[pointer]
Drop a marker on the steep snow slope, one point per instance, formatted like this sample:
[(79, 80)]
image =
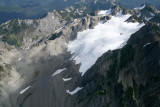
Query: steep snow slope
[(92, 43)]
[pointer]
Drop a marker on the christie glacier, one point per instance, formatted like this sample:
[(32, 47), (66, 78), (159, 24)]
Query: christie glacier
[(90, 44)]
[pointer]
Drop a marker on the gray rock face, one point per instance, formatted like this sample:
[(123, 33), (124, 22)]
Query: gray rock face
[(50, 89), (31, 30), (36, 64), (124, 77), (118, 78)]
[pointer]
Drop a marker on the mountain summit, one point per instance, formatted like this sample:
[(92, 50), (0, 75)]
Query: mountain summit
[(28, 9)]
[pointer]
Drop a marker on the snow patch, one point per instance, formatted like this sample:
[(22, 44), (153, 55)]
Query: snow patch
[(140, 8), (152, 14), (66, 79), (75, 20), (90, 44), (58, 30), (119, 14), (148, 18), (53, 17), (58, 71), (19, 59), (146, 45), (139, 15), (74, 91), (24, 90), (105, 12)]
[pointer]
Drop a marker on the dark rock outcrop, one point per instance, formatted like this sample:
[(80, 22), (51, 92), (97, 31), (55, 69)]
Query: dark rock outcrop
[(126, 77)]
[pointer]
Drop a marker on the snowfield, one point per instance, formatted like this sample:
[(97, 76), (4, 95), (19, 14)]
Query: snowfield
[(148, 18), (24, 90), (74, 91), (66, 79), (90, 44), (146, 45), (105, 12), (140, 8), (58, 71)]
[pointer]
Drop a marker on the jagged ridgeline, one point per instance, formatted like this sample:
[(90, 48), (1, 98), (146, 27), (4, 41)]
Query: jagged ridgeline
[(29, 9), (15, 30), (92, 54)]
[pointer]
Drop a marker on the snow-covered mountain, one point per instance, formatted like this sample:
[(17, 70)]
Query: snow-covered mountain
[(82, 56), (90, 44)]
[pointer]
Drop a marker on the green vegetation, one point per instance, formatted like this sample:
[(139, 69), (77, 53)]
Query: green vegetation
[(8, 66), (112, 70), (156, 28), (68, 16), (120, 85), (135, 87), (101, 83), (13, 32), (102, 92), (127, 56), (155, 78), (1, 69), (34, 38), (12, 35), (0, 93), (13, 40), (129, 93), (126, 72), (36, 74), (137, 19)]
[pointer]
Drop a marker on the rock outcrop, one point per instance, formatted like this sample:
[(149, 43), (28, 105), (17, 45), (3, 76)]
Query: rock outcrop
[(123, 77)]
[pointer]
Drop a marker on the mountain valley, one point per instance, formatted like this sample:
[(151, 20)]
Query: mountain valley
[(91, 54)]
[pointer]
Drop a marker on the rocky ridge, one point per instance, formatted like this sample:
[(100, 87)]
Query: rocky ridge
[(116, 79)]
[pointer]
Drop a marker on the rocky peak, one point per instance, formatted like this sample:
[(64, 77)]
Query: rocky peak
[(27, 32), (144, 13), (48, 75), (148, 12)]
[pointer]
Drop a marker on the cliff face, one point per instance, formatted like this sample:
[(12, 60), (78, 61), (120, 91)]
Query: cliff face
[(53, 55), (128, 76), (26, 32), (35, 65), (43, 73)]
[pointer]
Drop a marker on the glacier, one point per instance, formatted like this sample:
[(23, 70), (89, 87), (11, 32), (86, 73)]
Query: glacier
[(90, 44)]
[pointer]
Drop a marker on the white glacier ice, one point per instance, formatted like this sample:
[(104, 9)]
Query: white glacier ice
[(90, 44), (105, 12)]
